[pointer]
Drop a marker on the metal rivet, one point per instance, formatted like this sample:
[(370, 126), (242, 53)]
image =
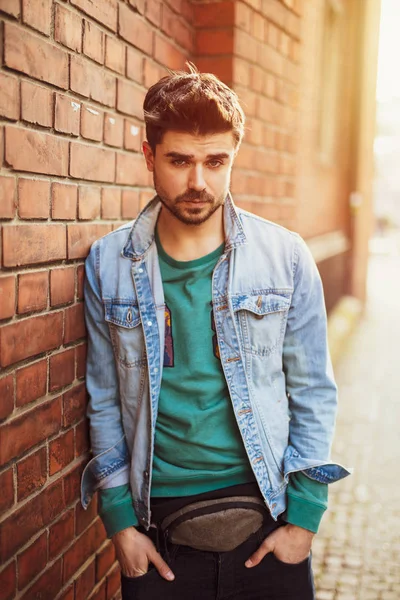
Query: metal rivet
[(129, 316), (140, 270), (149, 323)]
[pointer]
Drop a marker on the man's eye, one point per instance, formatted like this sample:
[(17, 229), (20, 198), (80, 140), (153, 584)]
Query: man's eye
[(214, 164), (179, 162)]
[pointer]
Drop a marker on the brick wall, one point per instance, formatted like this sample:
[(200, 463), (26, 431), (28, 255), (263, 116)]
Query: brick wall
[(72, 82)]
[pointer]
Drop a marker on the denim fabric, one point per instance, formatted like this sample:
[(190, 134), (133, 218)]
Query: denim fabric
[(270, 323), (222, 575)]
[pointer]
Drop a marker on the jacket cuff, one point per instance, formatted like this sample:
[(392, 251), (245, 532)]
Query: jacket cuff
[(116, 509)]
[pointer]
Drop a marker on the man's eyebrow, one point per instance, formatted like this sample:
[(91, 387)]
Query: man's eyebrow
[(179, 156)]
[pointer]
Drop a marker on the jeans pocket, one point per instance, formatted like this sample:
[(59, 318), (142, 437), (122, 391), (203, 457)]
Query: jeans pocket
[(298, 565)]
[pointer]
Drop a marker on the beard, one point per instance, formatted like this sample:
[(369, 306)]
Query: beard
[(190, 214)]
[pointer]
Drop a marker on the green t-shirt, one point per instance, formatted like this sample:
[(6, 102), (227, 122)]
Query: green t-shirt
[(198, 446)]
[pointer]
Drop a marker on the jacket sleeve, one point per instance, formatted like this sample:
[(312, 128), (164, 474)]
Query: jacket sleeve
[(109, 465), (310, 383)]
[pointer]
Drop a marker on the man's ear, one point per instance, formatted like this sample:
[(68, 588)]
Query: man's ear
[(148, 155)]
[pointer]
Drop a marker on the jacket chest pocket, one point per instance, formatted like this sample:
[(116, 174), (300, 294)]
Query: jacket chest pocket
[(126, 331), (262, 320)]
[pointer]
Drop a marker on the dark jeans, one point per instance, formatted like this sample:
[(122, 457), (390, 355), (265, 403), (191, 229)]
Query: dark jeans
[(203, 575)]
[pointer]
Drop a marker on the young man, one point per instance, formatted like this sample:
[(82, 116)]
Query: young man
[(212, 398)]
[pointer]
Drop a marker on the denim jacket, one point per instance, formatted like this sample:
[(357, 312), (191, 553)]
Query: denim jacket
[(270, 322)]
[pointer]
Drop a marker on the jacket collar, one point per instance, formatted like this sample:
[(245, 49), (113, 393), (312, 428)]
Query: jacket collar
[(141, 236)]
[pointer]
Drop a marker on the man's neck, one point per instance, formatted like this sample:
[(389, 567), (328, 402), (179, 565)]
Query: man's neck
[(188, 242)]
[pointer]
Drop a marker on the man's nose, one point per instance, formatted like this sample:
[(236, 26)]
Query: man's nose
[(196, 180)]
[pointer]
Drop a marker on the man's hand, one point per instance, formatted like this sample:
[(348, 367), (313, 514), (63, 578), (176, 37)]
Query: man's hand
[(290, 544), (135, 551)]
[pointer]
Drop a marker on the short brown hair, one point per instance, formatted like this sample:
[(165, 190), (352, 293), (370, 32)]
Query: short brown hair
[(193, 102)]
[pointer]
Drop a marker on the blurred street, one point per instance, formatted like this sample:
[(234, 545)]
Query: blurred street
[(357, 551)]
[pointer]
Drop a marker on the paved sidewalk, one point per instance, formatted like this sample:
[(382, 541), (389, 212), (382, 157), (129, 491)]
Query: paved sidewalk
[(357, 551)]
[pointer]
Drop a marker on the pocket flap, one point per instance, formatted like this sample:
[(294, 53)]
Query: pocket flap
[(122, 313), (262, 304)]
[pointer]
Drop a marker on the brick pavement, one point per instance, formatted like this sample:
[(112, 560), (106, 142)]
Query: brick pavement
[(357, 551)]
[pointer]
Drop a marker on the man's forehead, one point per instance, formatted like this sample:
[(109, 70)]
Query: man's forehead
[(190, 144)]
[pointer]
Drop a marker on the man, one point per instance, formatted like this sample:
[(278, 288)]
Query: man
[(212, 398)]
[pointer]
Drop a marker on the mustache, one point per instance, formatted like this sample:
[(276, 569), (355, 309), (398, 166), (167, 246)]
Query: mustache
[(193, 195)]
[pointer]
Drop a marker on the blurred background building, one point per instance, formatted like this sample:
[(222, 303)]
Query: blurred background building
[(72, 82)]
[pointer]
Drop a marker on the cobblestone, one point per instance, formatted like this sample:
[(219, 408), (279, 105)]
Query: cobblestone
[(356, 554)]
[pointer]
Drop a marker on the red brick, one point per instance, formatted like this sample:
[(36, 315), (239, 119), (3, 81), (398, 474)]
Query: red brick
[(83, 548), (36, 104), (31, 382), (134, 29), (115, 54), (92, 81), (61, 451), (113, 130), (110, 203), (68, 28), (134, 65), (33, 198), (81, 236), (35, 57), (103, 12), (151, 72), (7, 296), (92, 163), (221, 66), (83, 518), (101, 592), (62, 369), (168, 55), (104, 560), (153, 12), (138, 5), (32, 427), (132, 136), (61, 533), (62, 286), (7, 197), (74, 323), (72, 484), (130, 204), (64, 201), (31, 473), (85, 582), (33, 289), (74, 405), (9, 97), (11, 7), (113, 582), (215, 42), (37, 14), (89, 202), (177, 29), (67, 115), (7, 493), (32, 560), (48, 585), (29, 337), (131, 169), (130, 99), (80, 277), (28, 150), (69, 593), (8, 576), (91, 123), (29, 244), (6, 396), (145, 197), (82, 438), (29, 519), (216, 13), (93, 41)]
